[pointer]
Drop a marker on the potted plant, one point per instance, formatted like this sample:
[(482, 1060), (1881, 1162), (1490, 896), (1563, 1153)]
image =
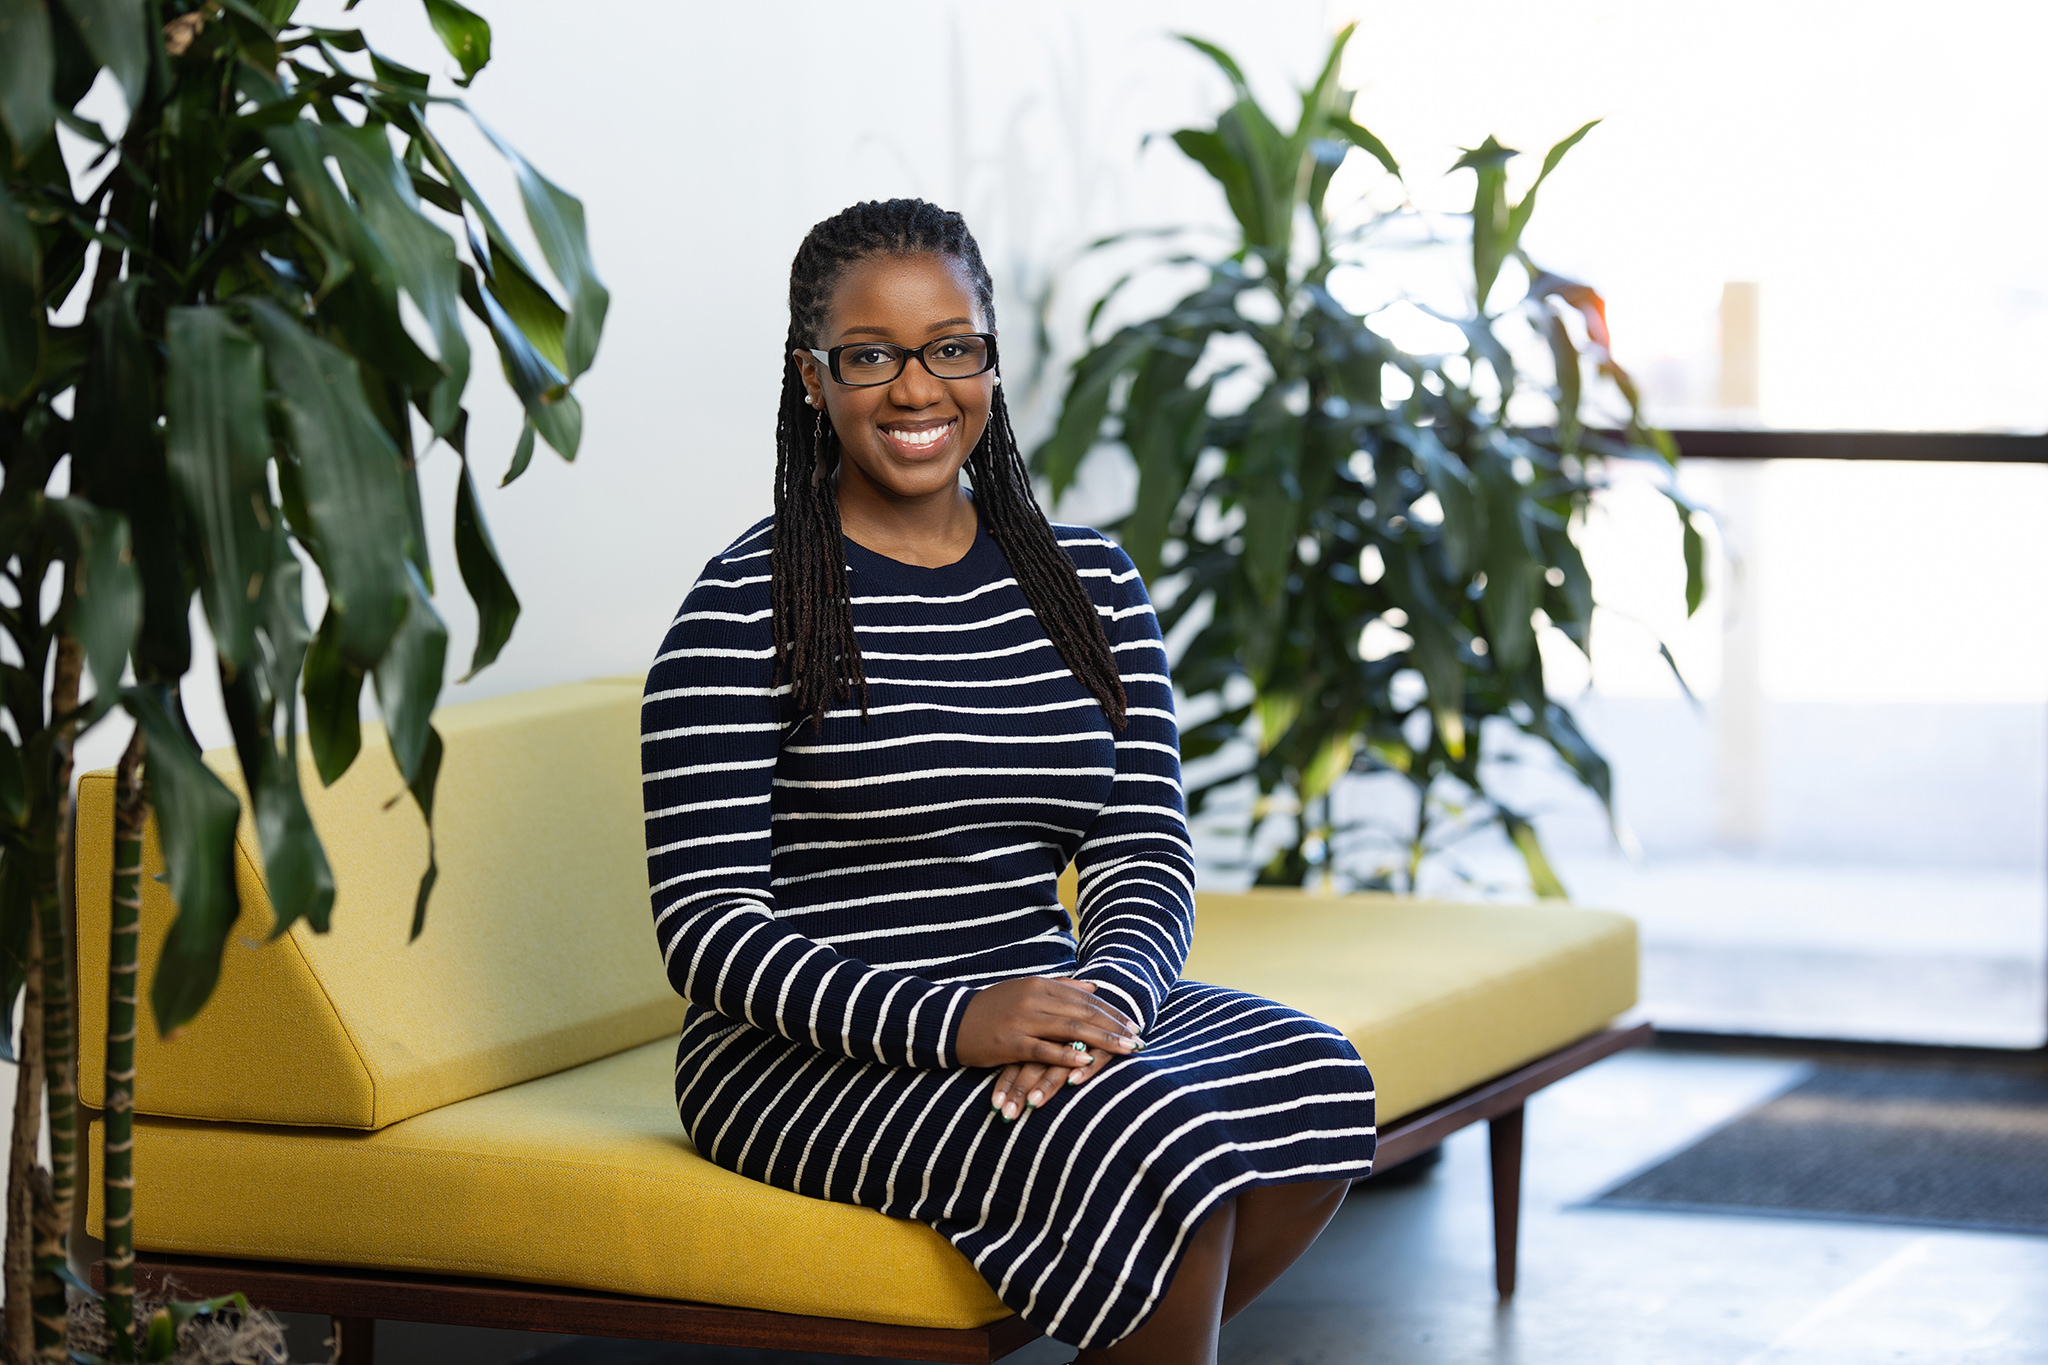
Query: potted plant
[(1374, 566), (239, 389)]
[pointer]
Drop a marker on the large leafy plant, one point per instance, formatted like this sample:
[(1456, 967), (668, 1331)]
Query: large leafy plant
[(1362, 572), (205, 344)]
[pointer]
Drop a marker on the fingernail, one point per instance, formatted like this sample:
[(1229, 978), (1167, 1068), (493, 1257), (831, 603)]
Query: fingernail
[(1036, 1098), (1137, 1044), (1073, 1078), (1010, 1111)]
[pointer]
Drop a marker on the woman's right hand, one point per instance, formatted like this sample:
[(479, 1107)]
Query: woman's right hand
[(1037, 1019)]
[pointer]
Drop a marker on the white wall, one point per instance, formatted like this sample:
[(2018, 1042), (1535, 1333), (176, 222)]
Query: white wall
[(704, 140)]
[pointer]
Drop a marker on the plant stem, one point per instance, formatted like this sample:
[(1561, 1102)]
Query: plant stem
[(21, 1164), (60, 1062), (1418, 847), (124, 931)]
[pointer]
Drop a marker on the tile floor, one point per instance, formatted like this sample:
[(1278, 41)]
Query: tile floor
[(1404, 1275)]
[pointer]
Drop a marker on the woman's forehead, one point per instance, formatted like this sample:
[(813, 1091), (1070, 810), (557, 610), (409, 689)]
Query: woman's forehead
[(891, 294)]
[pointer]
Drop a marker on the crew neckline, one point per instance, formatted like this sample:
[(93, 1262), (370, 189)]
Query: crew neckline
[(861, 559)]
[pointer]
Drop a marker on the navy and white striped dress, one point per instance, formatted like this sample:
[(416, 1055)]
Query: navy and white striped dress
[(829, 900)]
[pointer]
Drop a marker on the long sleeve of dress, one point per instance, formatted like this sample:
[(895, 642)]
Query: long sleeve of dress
[(1136, 865), (712, 724)]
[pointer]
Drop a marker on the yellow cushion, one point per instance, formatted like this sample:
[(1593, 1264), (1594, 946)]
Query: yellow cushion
[(537, 953), (583, 1178), (1436, 997)]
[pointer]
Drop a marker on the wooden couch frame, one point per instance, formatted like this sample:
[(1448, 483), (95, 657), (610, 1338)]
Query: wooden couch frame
[(355, 1299)]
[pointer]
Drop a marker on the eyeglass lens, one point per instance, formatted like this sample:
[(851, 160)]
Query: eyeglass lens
[(878, 362)]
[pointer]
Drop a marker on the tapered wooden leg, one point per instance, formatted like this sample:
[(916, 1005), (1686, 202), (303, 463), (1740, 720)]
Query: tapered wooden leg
[(1504, 1138), (355, 1341)]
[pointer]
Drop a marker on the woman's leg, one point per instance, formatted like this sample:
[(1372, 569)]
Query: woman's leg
[(1275, 1224), (1182, 1329)]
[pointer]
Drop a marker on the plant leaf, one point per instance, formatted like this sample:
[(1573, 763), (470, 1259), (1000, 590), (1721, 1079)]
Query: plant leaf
[(295, 868), (196, 817), (106, 593), (117, 34), (1518, 217), (556, 217), (21, 309), (409, 677), (117, 462), (422, 254), (28, 72), (352, 477), (497, 606), (464, 33), (1541, 878), (522, 454), (217, 445), (334, 689)]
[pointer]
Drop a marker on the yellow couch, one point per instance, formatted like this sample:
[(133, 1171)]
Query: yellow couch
[(495, 1099)]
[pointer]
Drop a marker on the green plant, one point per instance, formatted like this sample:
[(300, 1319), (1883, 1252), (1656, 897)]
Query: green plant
[(1326, 504), (201, 334)]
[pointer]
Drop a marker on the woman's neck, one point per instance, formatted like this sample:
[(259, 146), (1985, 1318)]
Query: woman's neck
[(932, 531)]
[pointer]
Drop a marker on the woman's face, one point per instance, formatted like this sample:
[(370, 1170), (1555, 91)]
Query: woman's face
[(907, 438)]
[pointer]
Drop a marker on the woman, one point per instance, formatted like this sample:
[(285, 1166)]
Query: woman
[(882, 724)]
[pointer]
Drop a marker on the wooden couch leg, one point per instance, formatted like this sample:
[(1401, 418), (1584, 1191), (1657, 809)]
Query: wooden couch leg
[(355, 1341), (1504, 1138)]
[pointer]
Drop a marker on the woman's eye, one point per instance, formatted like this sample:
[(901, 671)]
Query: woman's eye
[(871, 355), (951, 350)]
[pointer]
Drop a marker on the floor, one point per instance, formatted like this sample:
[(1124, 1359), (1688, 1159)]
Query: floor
[(1404, 1275)]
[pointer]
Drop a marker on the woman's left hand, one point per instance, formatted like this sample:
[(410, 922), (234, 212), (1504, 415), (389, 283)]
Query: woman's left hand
[(1024, 1086)]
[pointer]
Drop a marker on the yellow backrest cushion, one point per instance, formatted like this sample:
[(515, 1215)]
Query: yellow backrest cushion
[(537, 953)]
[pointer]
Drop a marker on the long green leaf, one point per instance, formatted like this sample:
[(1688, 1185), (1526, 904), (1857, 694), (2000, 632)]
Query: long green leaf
[(28, 72), (497, 606), (196, 817), (117, 462), (550, 408), (556, 217), (217, 444), (464, 33), (1541, 877), (21, 310), (422, 254), (261, 708), (334, 689), (409, 678), (1518, 217), (352, 477), (117, 33), (1492, 235), (106, 593), (408, 683)]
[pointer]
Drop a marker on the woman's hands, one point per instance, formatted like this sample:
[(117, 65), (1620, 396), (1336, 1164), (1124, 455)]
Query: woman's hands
[(1027, 1027)]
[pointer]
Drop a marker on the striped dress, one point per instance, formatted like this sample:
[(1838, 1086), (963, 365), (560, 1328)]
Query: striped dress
[(828, 901)]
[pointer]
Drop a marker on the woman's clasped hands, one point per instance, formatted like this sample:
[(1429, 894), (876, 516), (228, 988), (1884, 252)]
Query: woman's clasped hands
[(1029, 1027)]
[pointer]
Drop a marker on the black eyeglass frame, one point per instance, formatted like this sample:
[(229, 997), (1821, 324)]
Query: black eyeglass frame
[(830, 359)]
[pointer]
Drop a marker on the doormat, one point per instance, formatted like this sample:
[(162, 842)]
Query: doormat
[(1938, 1148)]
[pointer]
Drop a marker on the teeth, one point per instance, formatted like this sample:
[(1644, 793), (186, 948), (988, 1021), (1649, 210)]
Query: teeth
[(930, 437)]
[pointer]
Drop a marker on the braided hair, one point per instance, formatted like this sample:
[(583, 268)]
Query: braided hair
[(815, 648)]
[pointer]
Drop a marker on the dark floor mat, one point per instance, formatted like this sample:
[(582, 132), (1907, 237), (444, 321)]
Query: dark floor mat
[(1943, 1148)]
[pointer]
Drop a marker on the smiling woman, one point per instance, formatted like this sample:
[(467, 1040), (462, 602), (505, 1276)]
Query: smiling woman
[(854, 872)]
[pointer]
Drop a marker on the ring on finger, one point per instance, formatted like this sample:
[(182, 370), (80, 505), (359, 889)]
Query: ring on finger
[(1078, 1046)]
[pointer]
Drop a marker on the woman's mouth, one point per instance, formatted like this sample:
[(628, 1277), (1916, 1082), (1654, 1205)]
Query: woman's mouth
[(918, 442)]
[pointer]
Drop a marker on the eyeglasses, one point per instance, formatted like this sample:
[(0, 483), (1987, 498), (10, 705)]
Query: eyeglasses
[(864, 364)]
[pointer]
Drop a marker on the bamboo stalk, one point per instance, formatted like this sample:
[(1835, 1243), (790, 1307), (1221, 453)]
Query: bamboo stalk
[(21, 1165), (60, 1060), (124, 932)]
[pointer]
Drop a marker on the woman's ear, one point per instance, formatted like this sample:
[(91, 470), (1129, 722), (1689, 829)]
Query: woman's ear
[(814, 385)]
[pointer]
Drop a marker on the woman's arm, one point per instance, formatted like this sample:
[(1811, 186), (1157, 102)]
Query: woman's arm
[(1137, 873), (710, 729)]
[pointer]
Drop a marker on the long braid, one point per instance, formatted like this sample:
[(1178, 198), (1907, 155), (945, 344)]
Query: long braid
[(1002, 490), (815, 646)]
